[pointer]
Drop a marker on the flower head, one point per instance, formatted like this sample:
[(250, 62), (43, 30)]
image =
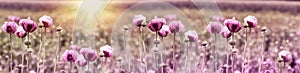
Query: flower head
[(191, 35), (9, 27), (106, 51), (170, 17), (218, 18), (75, 47), (156, 24), (176, 26), (89, 54), (225, 32), (286, 56), (251, 21), (233, 25), (69, 55), (138, 20), (14, 18), (214, 27), (20, 32), (81, 61), (28, 25), (164, 31), (46, 21)]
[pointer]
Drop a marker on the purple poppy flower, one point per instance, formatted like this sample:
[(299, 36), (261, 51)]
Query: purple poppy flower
[(9, 27), (14, 18), (176, 26), (191, 35), (89, 54), (138, 20), (233, 25), (156, 24), (214, 27), (251, 21), (106, 51), (170, 17), (70, 56), (20, 32), (28, 25), (218, 18), (75, 47), (225, 32), (285, 55), (46, 21), (164, 31), (81, 61)]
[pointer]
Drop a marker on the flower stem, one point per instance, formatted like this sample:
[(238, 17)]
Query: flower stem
[(10, 52), (56, 52), (214, 51), (227, 58), (174, 48), (232, 62), (41, 38), (261, 53), (245, 49), (44, 50), (23, 54), (71, 67), (127, 51)]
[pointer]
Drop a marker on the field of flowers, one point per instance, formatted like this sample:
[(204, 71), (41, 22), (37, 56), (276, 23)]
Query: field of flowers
[(150, 37)]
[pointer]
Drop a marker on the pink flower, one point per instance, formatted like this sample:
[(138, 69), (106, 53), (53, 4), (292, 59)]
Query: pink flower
[(218, 18), (192, 36), (298, 34), (14, 18), (225, 32), (170, 17), (176, 26), (164, 31), (138, 20), (28, 25), (106, 51), (81, 61), (46, 21), (251, 21), (156, 24), (69, 55), (32, 71), (285, 55), (233, 25), (9, 27), (75, 47), (89, 54), (20, 32), (214, 27)]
